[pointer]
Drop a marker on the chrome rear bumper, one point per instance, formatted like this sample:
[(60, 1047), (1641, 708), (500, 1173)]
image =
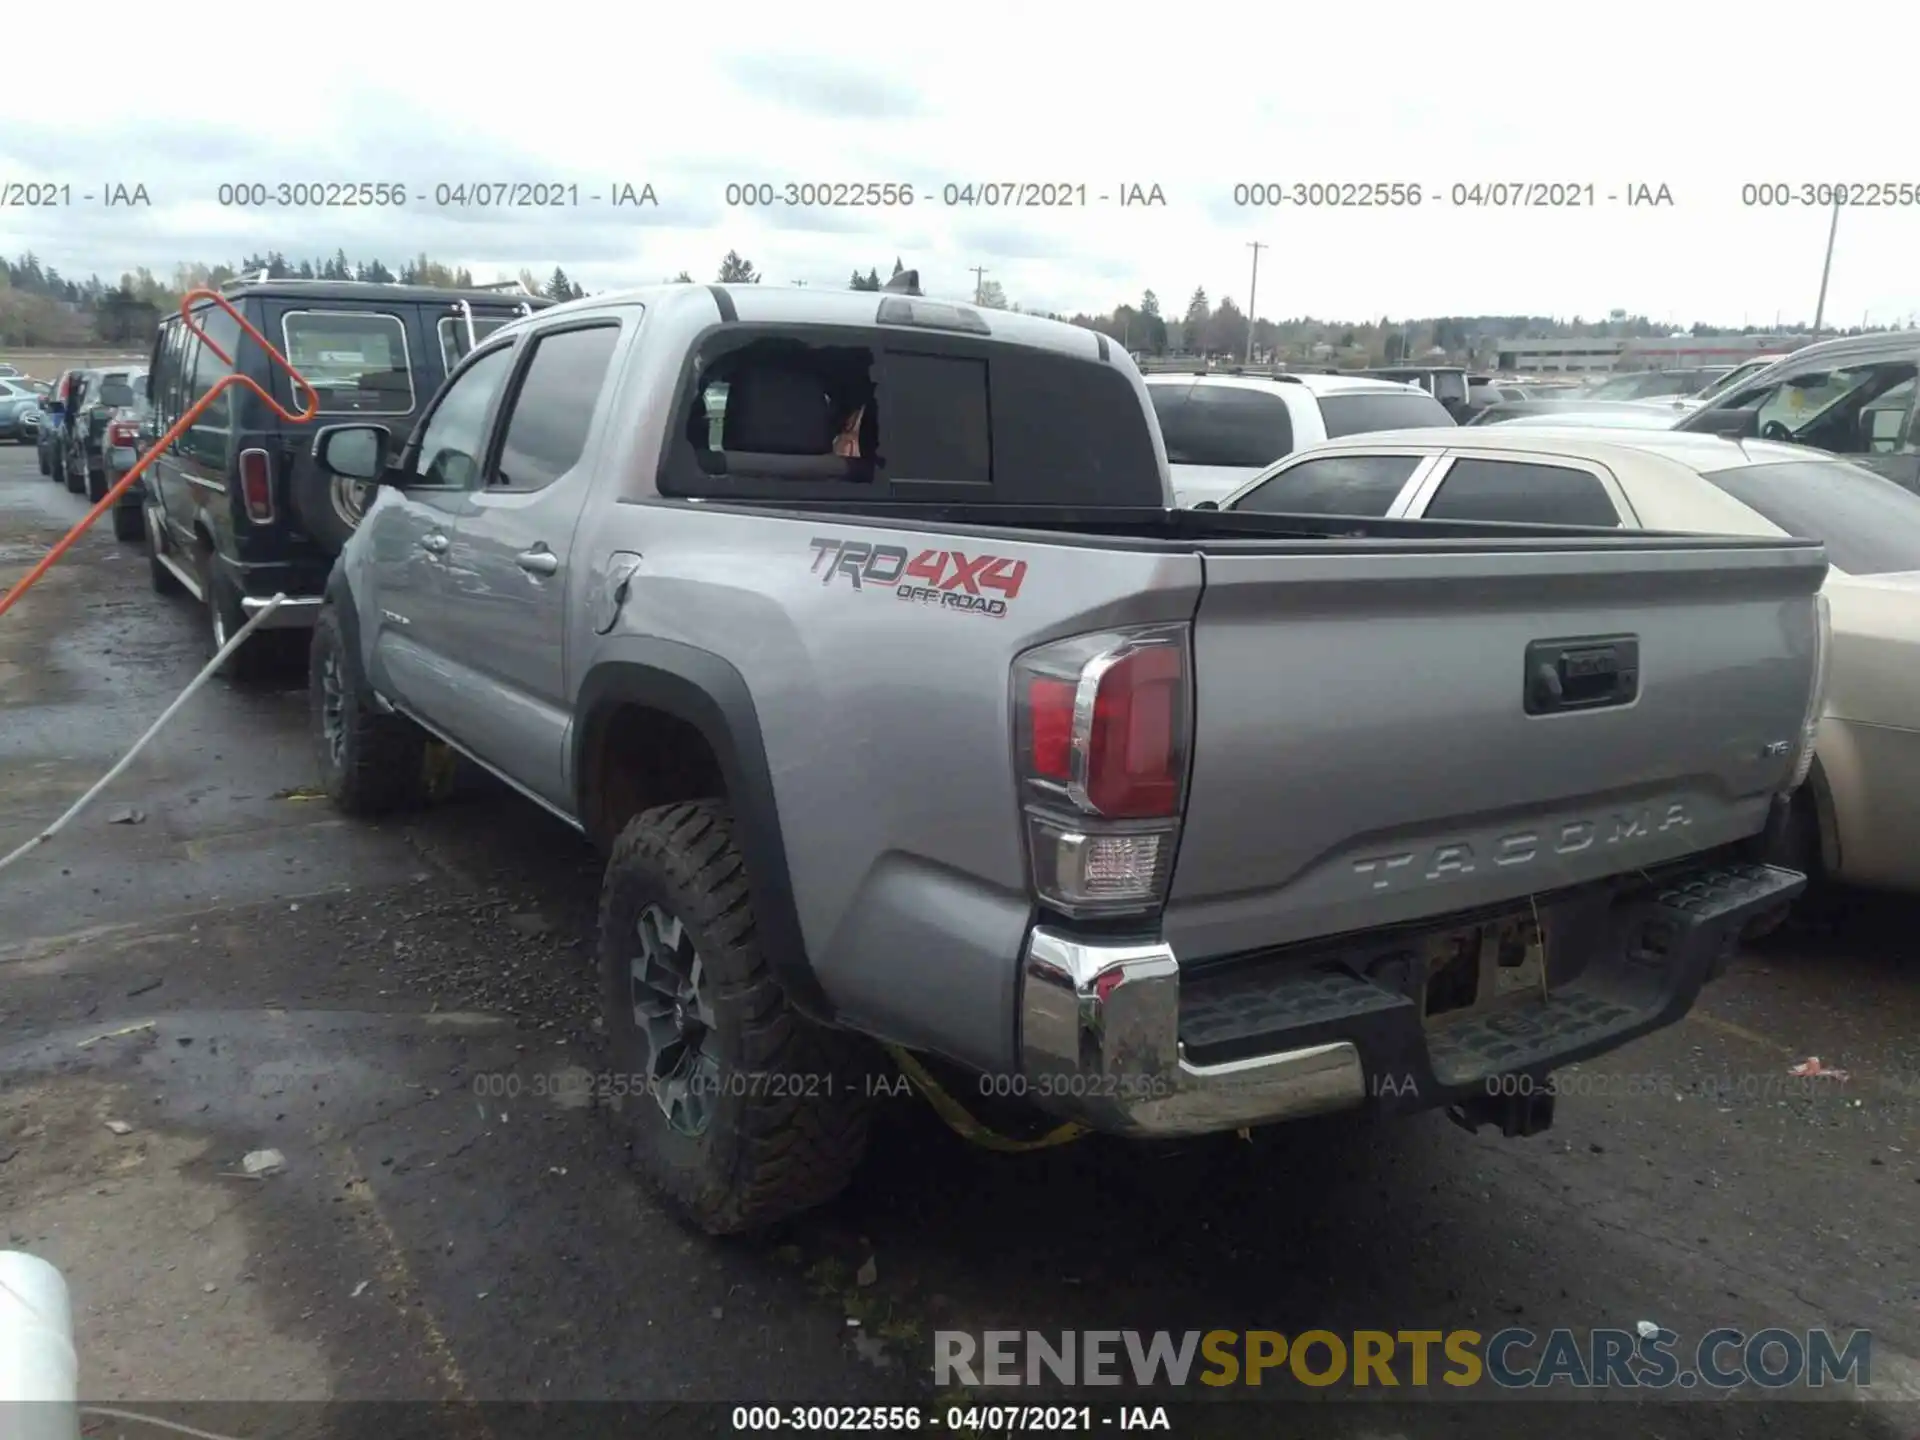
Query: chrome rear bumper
[(1100, 1042)]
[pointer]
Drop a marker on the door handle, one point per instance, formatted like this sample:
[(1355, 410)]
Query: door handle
[(538, 562), (435, 544)]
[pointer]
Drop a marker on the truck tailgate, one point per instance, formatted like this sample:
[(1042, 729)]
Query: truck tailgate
[(1364, 752)]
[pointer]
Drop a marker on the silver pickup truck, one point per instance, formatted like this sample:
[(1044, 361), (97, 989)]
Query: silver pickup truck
[(858, 631)]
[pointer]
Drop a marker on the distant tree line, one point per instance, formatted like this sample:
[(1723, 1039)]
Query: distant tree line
[(40, 307)]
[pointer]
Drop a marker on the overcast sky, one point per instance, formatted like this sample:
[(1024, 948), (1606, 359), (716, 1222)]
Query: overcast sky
[(691, 99)]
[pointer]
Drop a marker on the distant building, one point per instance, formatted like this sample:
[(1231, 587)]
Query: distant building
[(1591, 355)]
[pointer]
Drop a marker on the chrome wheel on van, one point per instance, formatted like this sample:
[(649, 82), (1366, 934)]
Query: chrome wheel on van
[(350, 499)]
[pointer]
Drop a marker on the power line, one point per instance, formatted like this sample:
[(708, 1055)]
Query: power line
[(1253, 293)]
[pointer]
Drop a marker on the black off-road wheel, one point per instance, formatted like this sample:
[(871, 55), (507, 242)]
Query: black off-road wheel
[(128, 525), (743, 1112), (371, 763), (96, 485)]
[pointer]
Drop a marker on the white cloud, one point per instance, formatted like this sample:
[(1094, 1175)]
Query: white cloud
[(691, 101)]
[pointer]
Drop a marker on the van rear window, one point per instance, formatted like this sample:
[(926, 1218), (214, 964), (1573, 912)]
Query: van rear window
[(356, 361), (821, 412)]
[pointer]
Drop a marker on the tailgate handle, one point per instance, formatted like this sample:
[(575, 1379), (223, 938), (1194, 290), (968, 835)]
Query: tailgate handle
[(1585, 674)]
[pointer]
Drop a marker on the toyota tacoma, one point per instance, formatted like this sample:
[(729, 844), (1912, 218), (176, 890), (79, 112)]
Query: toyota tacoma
[(860, 632)]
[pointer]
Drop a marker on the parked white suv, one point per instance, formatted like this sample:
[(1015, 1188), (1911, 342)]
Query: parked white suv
[(1222, 430)]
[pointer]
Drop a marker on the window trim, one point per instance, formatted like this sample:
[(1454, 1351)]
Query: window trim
[(410, 452), (1622, 507), (502, 419), (406, 355), (1426, 461)]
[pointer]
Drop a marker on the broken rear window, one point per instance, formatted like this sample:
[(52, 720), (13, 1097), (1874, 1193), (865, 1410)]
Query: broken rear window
[(819, 412)]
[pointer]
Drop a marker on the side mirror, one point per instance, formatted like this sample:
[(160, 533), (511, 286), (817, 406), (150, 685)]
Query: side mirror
[(1208, 505), (353, 452)]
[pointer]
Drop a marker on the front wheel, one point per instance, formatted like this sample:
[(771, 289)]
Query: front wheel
[(743, 1111), (370, 763)]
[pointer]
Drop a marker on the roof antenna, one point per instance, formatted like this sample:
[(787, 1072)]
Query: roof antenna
[(907, 282)]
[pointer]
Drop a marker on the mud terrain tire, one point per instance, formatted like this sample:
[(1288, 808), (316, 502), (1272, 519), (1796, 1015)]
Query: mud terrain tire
[(787, 1109)]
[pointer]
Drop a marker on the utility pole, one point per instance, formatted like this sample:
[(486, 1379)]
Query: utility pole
[(1253, 293), (799, 282), (979, 282), (1833, 228)]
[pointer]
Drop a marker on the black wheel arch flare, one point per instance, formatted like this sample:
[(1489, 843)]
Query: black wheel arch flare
[(705, 691)]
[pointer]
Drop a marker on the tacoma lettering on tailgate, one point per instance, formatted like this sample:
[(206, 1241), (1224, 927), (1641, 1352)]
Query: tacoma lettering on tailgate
[(1522, 847), (947, 579)]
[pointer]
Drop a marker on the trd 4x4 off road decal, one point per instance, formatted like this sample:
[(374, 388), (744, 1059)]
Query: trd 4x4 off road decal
[(948, 579)]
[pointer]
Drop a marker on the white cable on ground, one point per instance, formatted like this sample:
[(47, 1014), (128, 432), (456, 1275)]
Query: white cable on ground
[(152, 730)]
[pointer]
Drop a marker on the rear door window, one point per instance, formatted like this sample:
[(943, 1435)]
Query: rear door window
[(1521, 491), (1237, 428), (553, 407), (357, 361), (116, 390), (1333, 485), (1364, 411), (1869, 525)]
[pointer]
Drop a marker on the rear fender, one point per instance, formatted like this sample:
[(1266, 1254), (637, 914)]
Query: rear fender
[(704, 691)]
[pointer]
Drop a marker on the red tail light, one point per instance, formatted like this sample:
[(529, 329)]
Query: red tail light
[(122, 433), (1102, 725), (256, 485)]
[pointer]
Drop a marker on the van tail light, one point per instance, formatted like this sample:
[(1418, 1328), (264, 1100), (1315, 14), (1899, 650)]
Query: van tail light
[(122, 432), (1102, 725), (256, 485)]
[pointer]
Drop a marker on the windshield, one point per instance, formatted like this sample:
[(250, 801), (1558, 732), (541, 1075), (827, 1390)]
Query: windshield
[(1620, 387), (1800, 404), (1733, 377), (1870, 526)]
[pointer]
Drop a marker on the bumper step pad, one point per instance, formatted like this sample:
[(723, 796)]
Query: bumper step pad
[(1667, 943)]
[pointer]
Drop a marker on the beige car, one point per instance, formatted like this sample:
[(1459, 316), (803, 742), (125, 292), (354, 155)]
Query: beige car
[(1857, 818)]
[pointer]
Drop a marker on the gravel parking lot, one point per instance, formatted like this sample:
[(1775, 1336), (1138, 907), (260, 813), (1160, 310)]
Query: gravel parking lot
[(216, 963)]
